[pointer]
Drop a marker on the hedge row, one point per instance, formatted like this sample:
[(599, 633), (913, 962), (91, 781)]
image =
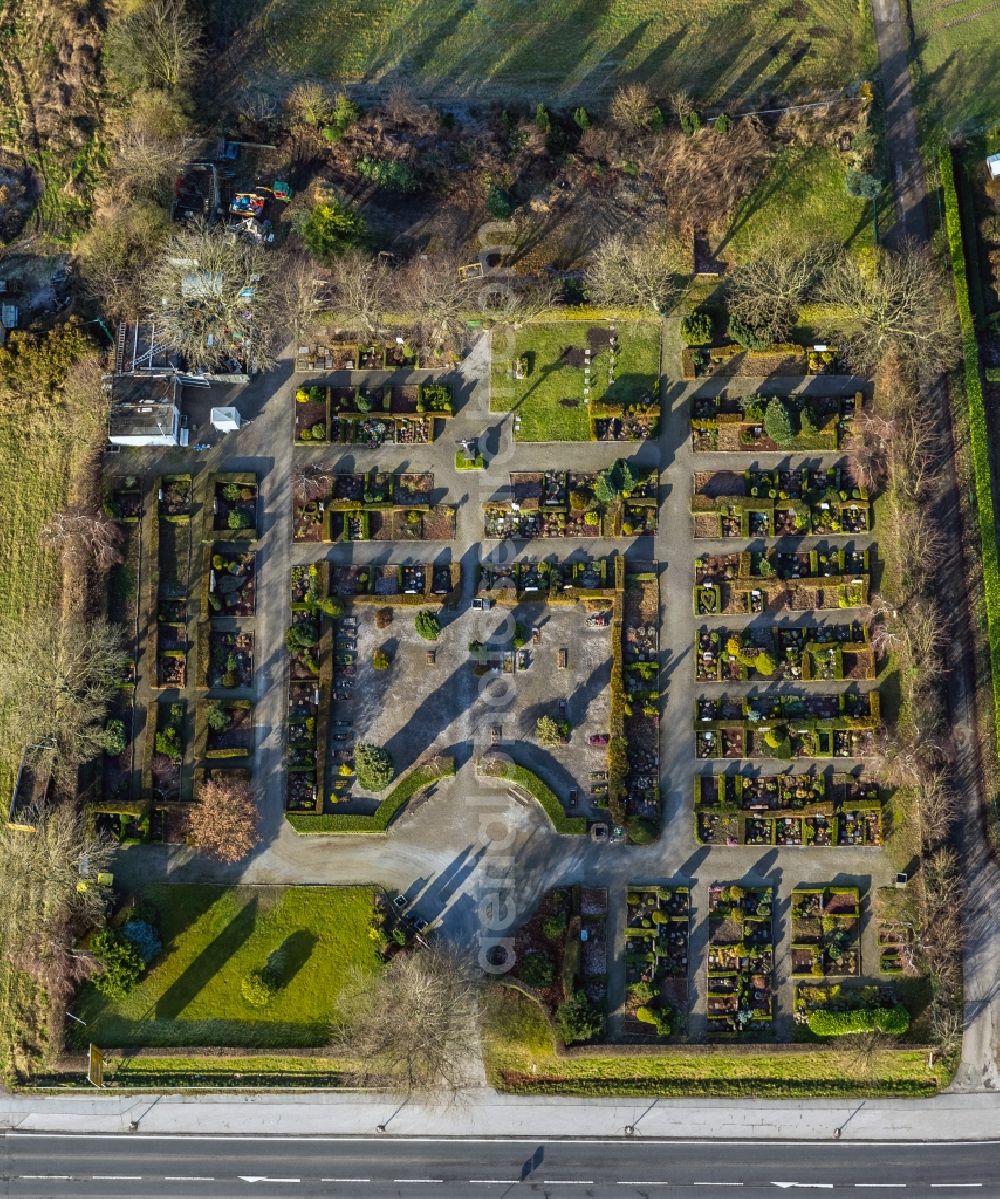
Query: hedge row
[(384, 814), (979, 437), (546, 797), (892, 1020)]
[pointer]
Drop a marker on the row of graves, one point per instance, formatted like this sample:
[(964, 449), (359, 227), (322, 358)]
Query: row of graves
[(735, 423), (556, 503), (740, 964), (788, 726), (331, 506), (641, 700), (813, 653), (657, 929), (823, 807), (547, 582), (769, 580), (328, 602), (372, 415), (787, 502), (345, 351)]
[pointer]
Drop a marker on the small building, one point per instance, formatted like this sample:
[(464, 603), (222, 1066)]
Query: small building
[(145, 411), (226, 420), (993, 162)]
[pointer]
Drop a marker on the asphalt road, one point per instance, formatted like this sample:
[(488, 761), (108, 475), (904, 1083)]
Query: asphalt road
[(136, 1166)]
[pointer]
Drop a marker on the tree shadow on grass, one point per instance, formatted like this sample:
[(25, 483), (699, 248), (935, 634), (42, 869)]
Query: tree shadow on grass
[(288, 959), (206, 965)]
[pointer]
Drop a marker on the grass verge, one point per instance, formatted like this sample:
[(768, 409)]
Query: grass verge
[(305, 938), (521, 1057)]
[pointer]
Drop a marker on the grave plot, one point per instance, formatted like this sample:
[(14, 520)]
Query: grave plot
[(374, 506), (635, 750), (786, 726), (312, 415), (165, 752), (123, 499), (225, 657), (572, 504), (656, 960), (589, 578), (740, 990), (224, 729), (175, 497), (808, 654), (826, 931), (787, 809), (759, 581), (233, 507), (736, 423), (173, 550), (401, 413), (562, 949), (568, 382), (779, 503), (309, 642), (229, 581)]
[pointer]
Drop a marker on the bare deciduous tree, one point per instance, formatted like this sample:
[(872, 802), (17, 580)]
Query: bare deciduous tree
[(360, 290), (225, 821), (59, 674), (430, 288), (415, 1025), (901, 303), (218, 299), (156, 45), (635, 274), (86, 539), (766, 292), (632, 108), (515, 302)]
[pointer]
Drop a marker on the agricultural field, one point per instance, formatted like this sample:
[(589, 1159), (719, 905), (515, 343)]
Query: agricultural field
[(306, 938), (959, 58), (510, 49)]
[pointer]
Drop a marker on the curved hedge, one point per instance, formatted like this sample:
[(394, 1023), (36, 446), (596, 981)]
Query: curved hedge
[(891, 1020), (545, 795), (979, 436), (348, 822)]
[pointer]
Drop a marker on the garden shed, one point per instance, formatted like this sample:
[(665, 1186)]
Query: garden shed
[(226, 420)]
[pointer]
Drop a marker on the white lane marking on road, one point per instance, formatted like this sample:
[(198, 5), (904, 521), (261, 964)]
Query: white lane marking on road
[(116, 1177), (810, 1186), (568, 1182), (188, 1178), (717, 1184), (499, 1182), (418, 1180), (648, 1182), (880, 1185), (47, 1177), (345, 1180), (949, 1185), (264, 1178)]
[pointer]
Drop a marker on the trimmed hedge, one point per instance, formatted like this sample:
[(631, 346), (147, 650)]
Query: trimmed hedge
[(891, 1020), (335, 822), (979, 437), (546, 797)]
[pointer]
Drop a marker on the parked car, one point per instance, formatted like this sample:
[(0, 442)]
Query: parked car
[(598, 739)]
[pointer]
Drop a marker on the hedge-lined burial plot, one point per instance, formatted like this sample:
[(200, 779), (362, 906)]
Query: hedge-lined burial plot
[(225, 657), (803, 501), (174, 550), (164, 752), (657, 920), (788, 809), (758, 581), (552, 582), (375, 505), (578, 381), (409, 584), (224, 729), (840, 725), (233, 508), (229, 581), (562, 948), (740, 991), (555, 503), (826, 931), (806, 654), (735, 423), (634, 750)]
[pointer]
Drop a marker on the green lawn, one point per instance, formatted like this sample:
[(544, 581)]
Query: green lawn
[(802, 196), (520, 1057), (309, 937), (959, 50), (552, 379), (532, 50)]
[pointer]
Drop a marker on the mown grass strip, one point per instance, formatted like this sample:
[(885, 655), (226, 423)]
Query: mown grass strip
[(979, 436), (384, 814)]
